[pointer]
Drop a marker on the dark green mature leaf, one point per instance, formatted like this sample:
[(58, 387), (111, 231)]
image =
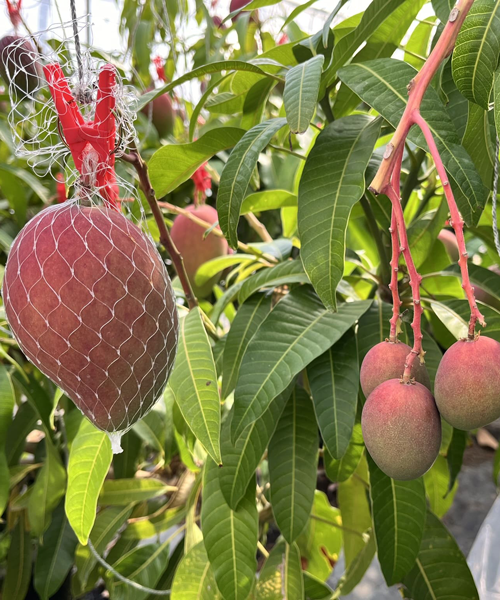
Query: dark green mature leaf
[(301, 93), (293, 460), (331, 184), (356, 570), (478, 141), (277, 353), (194, 383), (496, 100), (89, 461), (24, 421), (243, 328), (458, 313), (423, 232), (289, 271), (437, 487), (194, 579), (382, 84), (441, 571), (442, 9), (18, 574), (373, 327), (55, 555), (476, 53), (334, 381), (340, 470), (455, 455), (398, 520), (487, 280), (230, 536), (281, 576), (237, 173), (6, 407), (240, 460), (457, 105), (125, 463), (174, 164), (38, 397), (316, 589)]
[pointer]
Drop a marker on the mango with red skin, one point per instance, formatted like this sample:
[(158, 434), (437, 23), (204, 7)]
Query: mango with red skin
[(18, 64), (467, 386), (196, 250), (402, 429), (386, 361), (163, 114)]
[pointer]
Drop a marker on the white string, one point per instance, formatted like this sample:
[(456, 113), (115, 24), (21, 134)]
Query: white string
[(494, 198)]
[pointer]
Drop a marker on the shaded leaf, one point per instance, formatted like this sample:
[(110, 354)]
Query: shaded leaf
[(281, 575), (6, 407), (478, 141), (437, 487), (301, 93), (356, 570), (23, 423), (121, 492), (18, 573), (455, 455)]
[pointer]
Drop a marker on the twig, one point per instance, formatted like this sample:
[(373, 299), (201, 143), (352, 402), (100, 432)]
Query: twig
[(393, 286), (258, 227)]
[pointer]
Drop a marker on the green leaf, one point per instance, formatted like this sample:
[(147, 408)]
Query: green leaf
[(6, 407), (151, 429), (441, 571), (293, 460), (356, 570), (316, 589), (23, 423), (475, 57), (382, 84), (243, 328), (296, 12), (276, 354), (423, 232), (268, 200), (442, 8), (331, 184), (478, 141), (89, 461), (281, 575), (241, 460), (301, 93), (33, 182), (373, 327), (193, 578), (48, 490), (399, 509), (230, 536), (437, 486), (153, 526), (194, 383), (121, 492), (455, 455), (214, 266), (417, 47), (487, 280), (340, 470), (334, 381), (38, 397), (237, 173), (125, 463), (55, 554), (174, 164), (17, 577), (496, 99), (289, 271)]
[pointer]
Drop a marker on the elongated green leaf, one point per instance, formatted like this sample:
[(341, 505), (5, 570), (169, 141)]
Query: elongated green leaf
[(373, 327), (237, 173), (194, 383), (442, 8), (151, 429), (417, 47), (455, 455), (281, 575), (17, 577), (296, 12), (55, 555), (487, 280), (24, 421), (174, 164), (194, 579), (334, 381), (398, 520), (214, 266), (276, 353), (38, 397), (301, 93), (230, 536), (496, 100), (240, 460), (440, 572), (476, 53), (332, 182), (293, 459), (121, 492), (6, 408), (48, 490), (423, 232), (268, 200), (356, 570), (340, 470), (382, 84), (289, 271), (148, 528), (437, 487), (125, 463), (243, 328), (478, 141), (89, 461), (33, 182)]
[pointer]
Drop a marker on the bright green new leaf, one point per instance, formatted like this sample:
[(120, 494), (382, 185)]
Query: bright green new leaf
[(281, 576), (194, 579), (121, 492), (194, 383), (268, 200), (89, 461), (301, 93), (212, 267), (331, 184), (6, 407)]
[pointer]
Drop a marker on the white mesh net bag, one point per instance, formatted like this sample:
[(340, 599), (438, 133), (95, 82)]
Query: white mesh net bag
[(86, 293)]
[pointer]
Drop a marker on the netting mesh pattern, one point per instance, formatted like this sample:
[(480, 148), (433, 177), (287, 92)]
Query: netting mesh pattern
[(89, 300)]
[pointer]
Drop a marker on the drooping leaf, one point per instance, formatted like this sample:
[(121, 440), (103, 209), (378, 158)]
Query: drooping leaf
[(310, 331), (89, 461), (334, 381), (475, 57), (399, 510), (174, 164), (301, 93), (382, 84), (194, 383), (18, 574), (6, 408), (441, 571), (121, 492), (356, 570), (55, 555), (38, 397), (340, 470), (230, 536), (437, 487), (478, 141), (237, 173), (332, 182), (293, 459), (151, 429), (287, 272), (193, 578), (281, 575)]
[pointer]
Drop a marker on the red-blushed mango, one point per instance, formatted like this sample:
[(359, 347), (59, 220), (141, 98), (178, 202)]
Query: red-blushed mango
[(195, 249), (88, 298), (18, 64), (402, 429), (162, 114), (449, 241), (386, 361), (467, 385)]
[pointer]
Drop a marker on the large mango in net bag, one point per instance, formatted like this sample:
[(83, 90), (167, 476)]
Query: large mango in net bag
[(89, 301)]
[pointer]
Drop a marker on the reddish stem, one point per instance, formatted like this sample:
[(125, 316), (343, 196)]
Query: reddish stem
[(393, 286)]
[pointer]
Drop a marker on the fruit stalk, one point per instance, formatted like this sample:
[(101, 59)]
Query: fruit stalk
[(396, 302)]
